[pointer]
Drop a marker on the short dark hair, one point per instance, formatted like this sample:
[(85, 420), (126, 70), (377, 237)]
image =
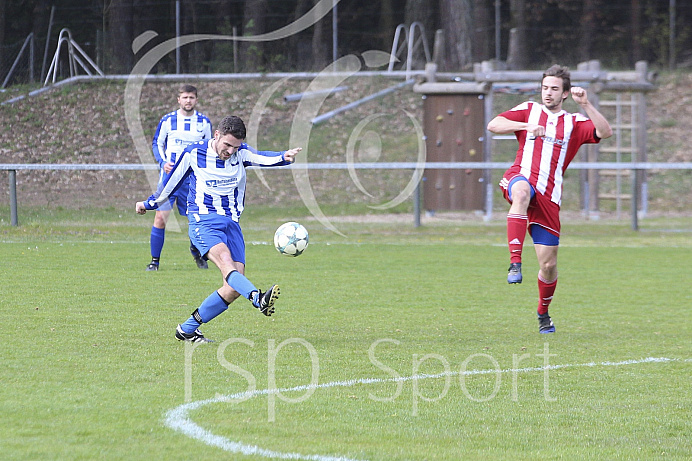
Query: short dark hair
[(185, 88), (232, 125), (559, 72)]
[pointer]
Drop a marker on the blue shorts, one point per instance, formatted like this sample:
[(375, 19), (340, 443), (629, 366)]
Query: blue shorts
[(511, 183), (179, 198), (208, 230), (542, 236), (544, 221)]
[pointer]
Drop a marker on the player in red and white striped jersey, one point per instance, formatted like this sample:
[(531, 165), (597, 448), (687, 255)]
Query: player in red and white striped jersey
[(549, 138)]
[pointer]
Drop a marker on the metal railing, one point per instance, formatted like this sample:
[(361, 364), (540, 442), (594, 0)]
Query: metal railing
[(12, 168)]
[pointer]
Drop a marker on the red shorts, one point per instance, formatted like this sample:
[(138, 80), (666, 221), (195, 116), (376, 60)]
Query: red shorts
[(542, 211)]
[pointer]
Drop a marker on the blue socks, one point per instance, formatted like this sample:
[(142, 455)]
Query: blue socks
[(156, 241), (209, 309), (241, 284), (215, 304)]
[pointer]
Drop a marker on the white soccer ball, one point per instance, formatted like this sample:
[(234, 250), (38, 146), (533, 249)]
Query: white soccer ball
[(291, 239)]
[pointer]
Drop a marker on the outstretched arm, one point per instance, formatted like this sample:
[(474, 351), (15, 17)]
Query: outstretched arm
[(290, 155), (603, 129), (253, 157)]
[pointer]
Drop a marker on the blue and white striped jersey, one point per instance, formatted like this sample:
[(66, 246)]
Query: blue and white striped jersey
[(216, 186), (175, 132)]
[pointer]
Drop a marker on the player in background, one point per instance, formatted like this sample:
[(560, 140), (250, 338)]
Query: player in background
[(549, 139), (216, 171), (175, 132)]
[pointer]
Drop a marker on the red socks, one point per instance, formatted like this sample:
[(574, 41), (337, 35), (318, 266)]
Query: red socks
[(516, 233), (545, 294)]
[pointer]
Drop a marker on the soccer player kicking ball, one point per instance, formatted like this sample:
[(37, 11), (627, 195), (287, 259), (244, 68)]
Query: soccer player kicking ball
[(549, 139), (216, 171)]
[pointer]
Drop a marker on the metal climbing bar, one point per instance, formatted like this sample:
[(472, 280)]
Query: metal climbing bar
[(74, 58)]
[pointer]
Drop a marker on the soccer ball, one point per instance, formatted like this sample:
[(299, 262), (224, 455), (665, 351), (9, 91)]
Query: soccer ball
[(291, 239)]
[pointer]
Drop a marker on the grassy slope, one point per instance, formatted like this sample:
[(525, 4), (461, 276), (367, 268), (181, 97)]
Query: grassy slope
[(85, 123)]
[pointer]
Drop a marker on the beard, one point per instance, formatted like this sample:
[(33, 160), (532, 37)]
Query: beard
[(551, 106)]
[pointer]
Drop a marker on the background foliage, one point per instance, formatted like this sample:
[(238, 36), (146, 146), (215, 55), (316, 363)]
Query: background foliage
[(616, 32)]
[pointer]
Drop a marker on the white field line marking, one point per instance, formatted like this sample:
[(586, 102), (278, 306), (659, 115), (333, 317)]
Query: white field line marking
[(178, 418)]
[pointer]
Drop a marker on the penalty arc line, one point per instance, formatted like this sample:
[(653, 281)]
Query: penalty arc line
[(179, 420)]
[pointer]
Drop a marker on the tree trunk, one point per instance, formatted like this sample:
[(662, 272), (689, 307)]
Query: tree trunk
[(386, 25), (3, 15), (320, 40), (300, 45), (41, 16), (422, 11), (121, 36), (222, 53), (636, 21), (517, 55), (143, 22), (484, 29), (253, 54), (587, 30), (456, 20), (194, 53)]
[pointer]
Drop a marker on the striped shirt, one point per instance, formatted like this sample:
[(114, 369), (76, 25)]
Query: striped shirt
[(216, 186), (543, 160), (175, 132)]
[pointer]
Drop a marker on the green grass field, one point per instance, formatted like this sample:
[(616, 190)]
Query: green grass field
[(392, 343)]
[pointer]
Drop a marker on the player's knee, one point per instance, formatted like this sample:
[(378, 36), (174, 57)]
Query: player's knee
[(160, 221), (521, 195), (549, 269)]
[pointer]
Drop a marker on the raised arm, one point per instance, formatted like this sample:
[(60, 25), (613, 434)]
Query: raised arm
[(603, 129)]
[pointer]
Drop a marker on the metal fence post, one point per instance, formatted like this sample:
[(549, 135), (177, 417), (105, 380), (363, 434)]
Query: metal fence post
[(13, 198), (635, 204), (416, 205)]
